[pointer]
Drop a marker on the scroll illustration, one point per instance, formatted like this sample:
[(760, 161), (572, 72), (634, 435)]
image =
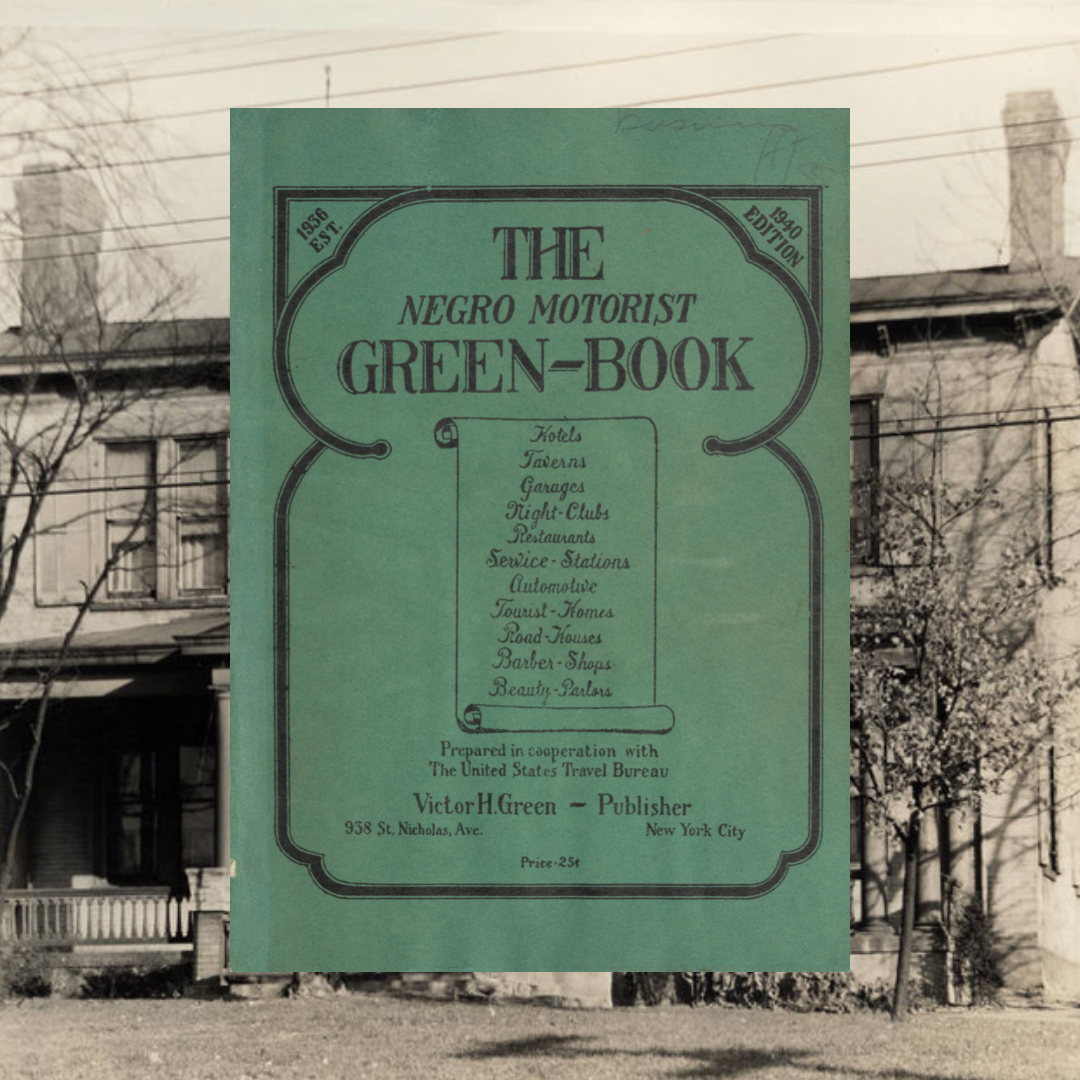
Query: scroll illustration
[(556, 575)]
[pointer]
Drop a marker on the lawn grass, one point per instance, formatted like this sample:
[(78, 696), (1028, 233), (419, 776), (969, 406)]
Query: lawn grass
[(358, 1036)]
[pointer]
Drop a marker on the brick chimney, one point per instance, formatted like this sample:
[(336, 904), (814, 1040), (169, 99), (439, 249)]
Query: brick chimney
[(61, 215), (1036, 134)]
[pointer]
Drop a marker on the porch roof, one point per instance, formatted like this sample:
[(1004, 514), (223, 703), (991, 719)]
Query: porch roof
[(149, 643)]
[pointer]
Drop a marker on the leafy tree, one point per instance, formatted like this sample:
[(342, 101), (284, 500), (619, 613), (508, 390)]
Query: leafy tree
[(949, 691)]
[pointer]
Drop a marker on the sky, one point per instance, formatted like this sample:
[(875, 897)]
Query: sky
[(928, 175)]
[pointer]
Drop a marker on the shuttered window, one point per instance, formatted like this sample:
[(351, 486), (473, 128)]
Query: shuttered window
[(202, 517), (149, 515), (131, 519)]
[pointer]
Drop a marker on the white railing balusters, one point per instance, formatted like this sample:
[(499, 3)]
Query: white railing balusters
[(95, 915)]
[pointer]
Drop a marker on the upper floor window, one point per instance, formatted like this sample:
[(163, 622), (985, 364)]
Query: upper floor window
[(130, 533), (202, 517), (153, 518), (864, 469)]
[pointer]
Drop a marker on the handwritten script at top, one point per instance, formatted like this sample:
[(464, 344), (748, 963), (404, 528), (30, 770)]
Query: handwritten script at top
[(777, 144)]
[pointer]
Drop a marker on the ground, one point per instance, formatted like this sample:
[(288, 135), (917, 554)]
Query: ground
[(360, 1036)]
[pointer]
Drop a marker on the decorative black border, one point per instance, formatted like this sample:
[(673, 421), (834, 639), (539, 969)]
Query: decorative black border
[(316, 862), (286, 307)]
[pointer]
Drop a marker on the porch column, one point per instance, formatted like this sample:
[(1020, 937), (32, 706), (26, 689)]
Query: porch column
[(875, 875), (928, 910), (221, 696)]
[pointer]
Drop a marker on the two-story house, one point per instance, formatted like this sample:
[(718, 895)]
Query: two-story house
[(114, 442), (979, 369)]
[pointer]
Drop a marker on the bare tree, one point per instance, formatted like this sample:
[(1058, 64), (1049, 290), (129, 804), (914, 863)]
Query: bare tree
[(93, 346)]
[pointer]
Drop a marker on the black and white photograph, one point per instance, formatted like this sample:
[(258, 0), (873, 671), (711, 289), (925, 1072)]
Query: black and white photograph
[(116, 734)]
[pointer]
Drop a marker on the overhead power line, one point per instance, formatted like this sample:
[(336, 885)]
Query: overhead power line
[(838, 76), (117, 250), (957, 131), (968, 415), (106, 488), (548, 69), (182, 47), (160, 50), (190, 114), (93, 166), (489, 76), (942, 430), (172, 158), (150, 76), (117, 228), (956, 153)]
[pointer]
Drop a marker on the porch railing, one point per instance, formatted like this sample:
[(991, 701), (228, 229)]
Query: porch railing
[(95, 916)]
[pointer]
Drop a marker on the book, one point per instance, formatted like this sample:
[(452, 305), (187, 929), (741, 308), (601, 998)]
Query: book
[(537, 540)]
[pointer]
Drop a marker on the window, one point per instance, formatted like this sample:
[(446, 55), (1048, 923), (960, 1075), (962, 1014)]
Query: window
[(864, 467), (154, 515), (202, 517), (160, 811), (132, 836), (130, 535)]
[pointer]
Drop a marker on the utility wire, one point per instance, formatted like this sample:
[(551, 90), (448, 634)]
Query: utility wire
[(165, 49), (809, 80), (891, 70), (116, 228), (968, 415), (310, 99), (964, 427), (104, 488), (115, 250), (959, 131), (546, 70), (171, 158), (251, 43), (144, 162), (213, 110), (248, 65), (957, 153), (313, 99), (487, 76), (117, 478)]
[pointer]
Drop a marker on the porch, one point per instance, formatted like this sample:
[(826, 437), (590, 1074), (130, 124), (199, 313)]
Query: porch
[(70, 918), (123, 857)]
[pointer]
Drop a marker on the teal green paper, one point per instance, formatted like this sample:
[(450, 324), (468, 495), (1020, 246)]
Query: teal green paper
[(540, 574)]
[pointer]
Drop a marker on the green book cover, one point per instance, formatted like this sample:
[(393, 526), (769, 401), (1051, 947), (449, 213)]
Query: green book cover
[(540, 574)]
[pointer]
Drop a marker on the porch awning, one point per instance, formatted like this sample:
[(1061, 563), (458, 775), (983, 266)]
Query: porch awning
[(149, 643)]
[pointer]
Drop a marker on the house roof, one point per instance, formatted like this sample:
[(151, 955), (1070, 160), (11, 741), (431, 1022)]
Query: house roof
[(962, 292), (148, 643)]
